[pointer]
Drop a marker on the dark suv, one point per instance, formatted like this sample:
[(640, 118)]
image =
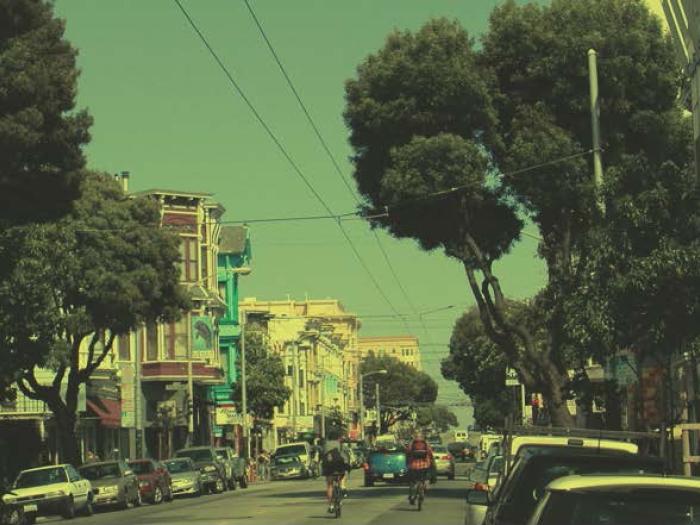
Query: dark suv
[(209, 464), (516, 497)]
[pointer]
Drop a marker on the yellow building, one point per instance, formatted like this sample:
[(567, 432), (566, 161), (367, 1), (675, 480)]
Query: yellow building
[(405, 348), (317, 340)]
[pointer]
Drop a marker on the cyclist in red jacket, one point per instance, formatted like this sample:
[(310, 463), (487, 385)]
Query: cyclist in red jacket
[(419, 456)]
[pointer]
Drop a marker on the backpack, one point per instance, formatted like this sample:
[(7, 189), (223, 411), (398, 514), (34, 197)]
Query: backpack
[(419, 450), (333, 456)]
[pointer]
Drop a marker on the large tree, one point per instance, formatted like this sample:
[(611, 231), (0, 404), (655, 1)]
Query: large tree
[(401, 390), (75, 285), (464, 146), (437, 417), (41, 134), (264, 377)]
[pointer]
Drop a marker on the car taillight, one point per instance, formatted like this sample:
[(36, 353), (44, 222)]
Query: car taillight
[(447, 458), (482, 487)]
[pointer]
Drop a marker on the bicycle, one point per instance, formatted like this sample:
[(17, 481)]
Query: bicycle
[(337, 497), (418, 488)]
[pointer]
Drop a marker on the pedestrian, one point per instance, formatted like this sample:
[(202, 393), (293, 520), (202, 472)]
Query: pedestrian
[(263, 465)]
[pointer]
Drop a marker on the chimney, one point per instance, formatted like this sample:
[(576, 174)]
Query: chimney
[(125, 181)]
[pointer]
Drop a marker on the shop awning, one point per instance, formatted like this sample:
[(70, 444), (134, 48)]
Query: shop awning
[(108, 410)]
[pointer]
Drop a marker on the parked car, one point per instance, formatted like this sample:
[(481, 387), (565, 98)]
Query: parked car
[(619, 500), (52, 490), (288, 467), (185, 476), (387, 463), (113, 483), (444, 462), (305, 453), (209, 464), (485, 477), (234, 466), (154, 480), (516, 496)]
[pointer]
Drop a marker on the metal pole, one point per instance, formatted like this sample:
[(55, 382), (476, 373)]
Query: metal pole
[(522, 404), (379, 414), (190, 400), (595, 126), (244, 388), (362, 409), (295, 389), (138, 413)]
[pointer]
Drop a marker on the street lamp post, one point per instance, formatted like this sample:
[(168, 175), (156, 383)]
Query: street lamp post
[(362, 398)]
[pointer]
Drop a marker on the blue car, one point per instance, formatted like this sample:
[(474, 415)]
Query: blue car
[(386, 464)]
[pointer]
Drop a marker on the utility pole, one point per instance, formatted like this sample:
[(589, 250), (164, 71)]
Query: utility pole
[(138, 413), (379, 414), (595, 127), (362, 408), (244, 387), (190, 397), (295, 388)]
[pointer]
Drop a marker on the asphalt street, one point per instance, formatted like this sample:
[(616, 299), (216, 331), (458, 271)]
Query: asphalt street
[(296, 502)]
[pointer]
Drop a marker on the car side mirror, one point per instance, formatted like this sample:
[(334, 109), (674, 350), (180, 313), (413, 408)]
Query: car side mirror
[(478, 497)]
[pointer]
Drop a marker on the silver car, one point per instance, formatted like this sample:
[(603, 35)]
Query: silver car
[(444, 462), (485, 476), (186, 477)]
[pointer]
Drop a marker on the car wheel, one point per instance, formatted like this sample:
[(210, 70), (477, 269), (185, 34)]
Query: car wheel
[(220, 486), (232, 484), (243, 482), (138, 501), (169, 497), (69, 509), (369, 482), (198, 492), (13, 517), (29, 519), (157, 496)]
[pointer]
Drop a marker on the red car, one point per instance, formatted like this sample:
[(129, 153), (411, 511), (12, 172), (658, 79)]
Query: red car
[(154, 480)]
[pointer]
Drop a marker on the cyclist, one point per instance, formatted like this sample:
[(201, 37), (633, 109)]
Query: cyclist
[(420, 461), (335, 461)]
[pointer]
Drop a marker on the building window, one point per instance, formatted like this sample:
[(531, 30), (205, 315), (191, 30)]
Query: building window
[(290, 370), (302, 409), (124, 345), (188, 256), (301, 378), (176, 340), (151, 342), (205, 264)]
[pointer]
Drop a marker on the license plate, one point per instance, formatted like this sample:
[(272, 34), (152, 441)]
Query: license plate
[(30, 508), (388, 476)]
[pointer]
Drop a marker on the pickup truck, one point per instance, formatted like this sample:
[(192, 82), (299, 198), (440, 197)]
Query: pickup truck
[(386, 463)]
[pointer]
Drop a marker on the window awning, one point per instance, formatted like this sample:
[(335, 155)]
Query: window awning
[(108, 410)]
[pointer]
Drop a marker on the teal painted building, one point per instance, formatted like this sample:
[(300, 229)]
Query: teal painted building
[(233, 262)]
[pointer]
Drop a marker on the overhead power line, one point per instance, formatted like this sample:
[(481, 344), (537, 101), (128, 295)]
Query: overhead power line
[(327, 149), (283, 150)]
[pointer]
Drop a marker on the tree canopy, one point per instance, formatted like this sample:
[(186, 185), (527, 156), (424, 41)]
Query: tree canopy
[(41, 134), (76, 284), (401, 389), (464, 146), (264, 377), (438, 417)]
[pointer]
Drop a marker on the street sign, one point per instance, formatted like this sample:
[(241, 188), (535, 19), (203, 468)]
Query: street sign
[(228, 415), (512, 377)]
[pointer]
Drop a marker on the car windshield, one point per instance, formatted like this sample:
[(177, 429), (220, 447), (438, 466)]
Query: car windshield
[(286, 460), (101, 471), (177, 466), (141, 467), (496, 465), (197, 455), (292, 449), (440, 450), (637, 507), (529, 487), (36, 478)]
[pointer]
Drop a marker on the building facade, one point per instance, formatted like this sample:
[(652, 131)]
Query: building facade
[(405, 348), (317, 340)]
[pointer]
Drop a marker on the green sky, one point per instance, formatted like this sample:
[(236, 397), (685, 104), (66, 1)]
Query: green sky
[(165, 112)]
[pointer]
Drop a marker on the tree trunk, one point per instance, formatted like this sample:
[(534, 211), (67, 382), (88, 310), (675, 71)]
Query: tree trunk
[(68, 435), (554, 402)]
